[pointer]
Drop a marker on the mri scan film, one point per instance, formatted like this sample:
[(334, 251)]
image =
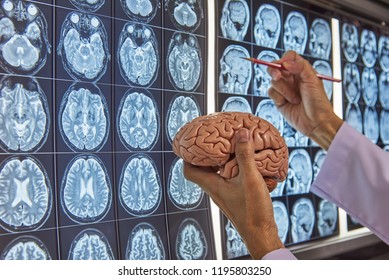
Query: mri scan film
[(300, 172), (350, 42), (303, 220), (352, 82), (295, 32), (371, 124), (320, 39), (191, 243), (267, 27), (186, 15), (25, 248), (88, 5), (235, 19), (354, 116), (235, 246), (267, 110), (140, 10), (383, 52), (236, 104), (323, 67), (369, 86), (327, 218), (383, 86), (281, 217), (368, 48), (262, 79)]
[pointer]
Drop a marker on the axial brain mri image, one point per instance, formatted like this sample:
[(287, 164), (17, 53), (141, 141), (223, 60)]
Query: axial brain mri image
[(300, 172), (235, 246), (140, 189), (138, 54), (384, 126), (90, 244), (140, 10), (354, 116), (383, 85), (368, 48), (262, 79), (86, 193), (235, 72), (352, 82), (327, 217), (138, 120), (320, 39), (303, 220), (236, 104), (369, 86), (144, 243), (24, 115), (323, 67), (267, 110), (25, 194), (383, 52), (209, 141), (235, 19), (191, 243), (371, 124), (295, 32), (83, 119), (267, 26), (184, 62), (281, 217), (25, 248), (186, 15), (24, 40), (350, 42), (88, 5)]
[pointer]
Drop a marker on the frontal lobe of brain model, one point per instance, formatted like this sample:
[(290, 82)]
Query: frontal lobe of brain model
[(210, 141), (25, 248)]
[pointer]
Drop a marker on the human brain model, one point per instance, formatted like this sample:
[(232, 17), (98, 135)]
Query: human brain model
[(210, 141)]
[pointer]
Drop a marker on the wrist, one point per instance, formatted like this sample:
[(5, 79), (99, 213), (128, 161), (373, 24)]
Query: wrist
[(324, 133)]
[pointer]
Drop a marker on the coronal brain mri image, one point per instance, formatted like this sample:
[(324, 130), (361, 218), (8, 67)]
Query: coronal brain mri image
[(235, 246), (281, 217), (138, 54), (352, 82), (267, 26), (235, 72), (354, 116), (86, 193), (25, 194), (323, 67), (90, 244), (83, 46), (88, 5), (25, 248), (302, 220), (191, 243), (267, 110), (24, 115), (368, 48), (262, 79), (83, 119), (300, 172), (369, 86), (144, 243), (384, 126), (236, 104), (140, 10), (184, 194), (140, 189), (24, 39), (350, 42), (295, 32), (184, 62), (383, 52), (138, 120), (235, 19), (383, 85), (327, 218), (320, 39), (186, 15), (371, 124)]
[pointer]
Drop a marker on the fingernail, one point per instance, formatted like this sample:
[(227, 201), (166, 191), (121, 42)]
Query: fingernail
[(243, 135)]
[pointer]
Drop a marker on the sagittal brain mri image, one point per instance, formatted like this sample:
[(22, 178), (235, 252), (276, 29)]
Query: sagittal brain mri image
[(24, 39), (295, 32), (323, 67), (302, 220), (350, 42), (140, 189), (25, 248), (235, 19), (83, 118), (191, 243), (368, 48), (235, 246), (184, 62), (267, 110), (318, 162), (182, 109), (290, 135), (144, 243), (281, 217), (186, 15), (25, 194), (24, 115), (371, 124), (138, 120), (83, 47), (354, 116), (300, 172), (86, 193), (138, 54), (236, 104), (88, 5), (383, 86), (267, 26), (327, 218), (279, 190), (320, 39), (90, 244), (369, 86), (140, 10), (383, 52), (384, 126), (235, 72), (352, 82), (262, 79), (184, 194)]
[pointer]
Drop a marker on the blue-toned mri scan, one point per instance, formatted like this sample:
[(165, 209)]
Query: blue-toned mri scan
[(144, 243), (267, 110), (354, 116), (300, 175), (383, 52), (281, 217), (86, 193), (302, 220), (279, 190), (25, 194), (327, 218), (369, 48), (318, 162), (386, 148), (83, 119), (235, 246), (236, 104), (186, 15), (24, 41), (384, 126), (383, 86), (140, 189), (320, 39), (292, 137), (24, 115), (350, 42), (323, 67), (295, 32), (90, 244), (262, 79), (140, 10), (184, 194), (267, 26), (371, 124), (352, 82), (88, 5), (369, 86), (191, 243), (183, 62), (25, 248), (235, 19), (138, 54), (138, 120)]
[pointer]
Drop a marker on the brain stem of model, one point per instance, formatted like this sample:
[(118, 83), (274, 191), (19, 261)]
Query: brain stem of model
[(210, 141)]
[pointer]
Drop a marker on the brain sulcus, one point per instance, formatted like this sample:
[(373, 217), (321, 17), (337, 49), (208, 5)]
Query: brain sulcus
[(210, 141)]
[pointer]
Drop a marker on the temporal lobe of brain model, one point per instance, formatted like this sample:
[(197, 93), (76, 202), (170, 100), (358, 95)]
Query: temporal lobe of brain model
[(210, 141)]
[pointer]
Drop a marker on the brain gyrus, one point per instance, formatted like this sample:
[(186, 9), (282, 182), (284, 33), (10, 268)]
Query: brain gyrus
[(209, 141), (191, 243), (25, 194), (140, 10), (25, 248)]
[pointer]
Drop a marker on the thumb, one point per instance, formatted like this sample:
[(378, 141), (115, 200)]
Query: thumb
[(244, 152)]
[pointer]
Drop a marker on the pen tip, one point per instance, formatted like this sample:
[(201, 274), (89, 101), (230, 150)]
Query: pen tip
[(246, 58)]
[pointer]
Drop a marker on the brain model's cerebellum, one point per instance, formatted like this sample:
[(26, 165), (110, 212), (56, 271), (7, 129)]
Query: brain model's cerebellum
[(210, 141)]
